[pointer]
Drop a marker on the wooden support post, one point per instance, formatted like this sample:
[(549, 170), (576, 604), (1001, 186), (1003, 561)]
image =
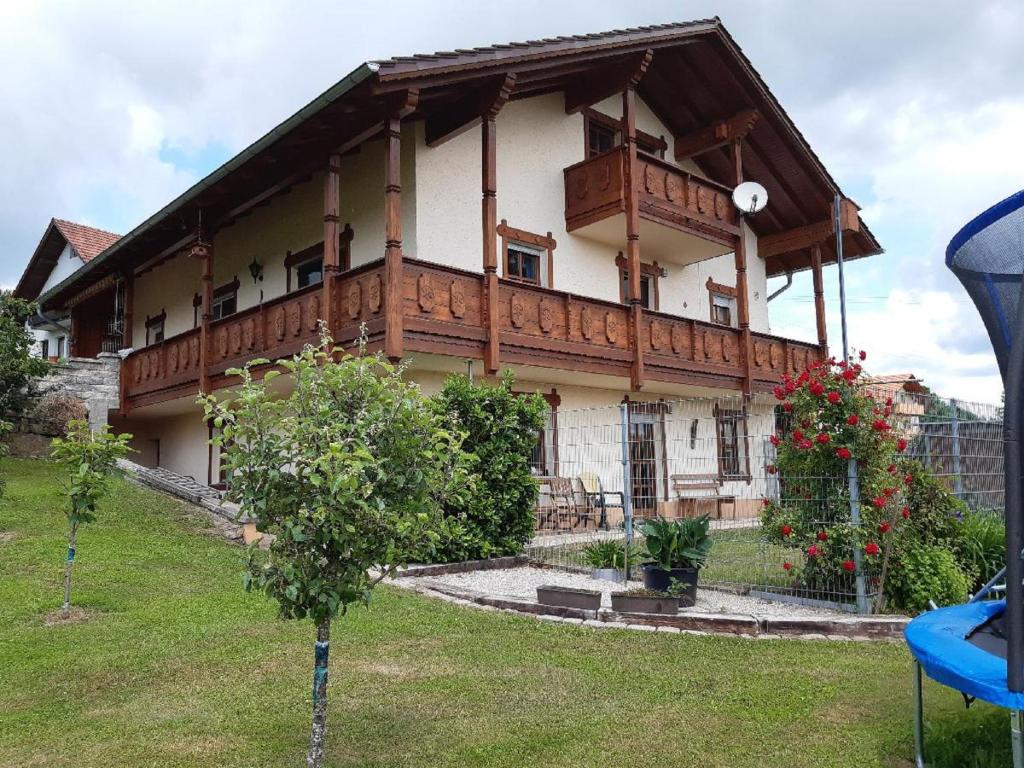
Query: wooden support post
[(489, 218), (632, 198), (393, 333), (128, 313), (819, 300), (203, 252), (331, 266), (742, 291)]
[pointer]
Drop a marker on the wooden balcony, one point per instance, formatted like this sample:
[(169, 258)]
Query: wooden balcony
[(443, 313), (683, 218)]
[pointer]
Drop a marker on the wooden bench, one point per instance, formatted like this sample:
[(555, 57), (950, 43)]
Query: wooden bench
[(690, 490)]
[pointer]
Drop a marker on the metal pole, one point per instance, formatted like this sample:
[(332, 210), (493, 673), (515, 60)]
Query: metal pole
[(1012, 426), (954, 426), (918, 716), (627, 490), (851, 466), (1016, 738)]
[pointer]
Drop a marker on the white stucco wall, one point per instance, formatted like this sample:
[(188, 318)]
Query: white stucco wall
[(66, 264)]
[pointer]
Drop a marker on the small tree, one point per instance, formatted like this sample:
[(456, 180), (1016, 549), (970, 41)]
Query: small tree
[(18, 368), (90, 459), (346, 471), (501, 428)]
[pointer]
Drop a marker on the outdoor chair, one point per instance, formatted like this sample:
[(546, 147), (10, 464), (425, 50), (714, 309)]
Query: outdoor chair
[(563, 497), (597, 497)]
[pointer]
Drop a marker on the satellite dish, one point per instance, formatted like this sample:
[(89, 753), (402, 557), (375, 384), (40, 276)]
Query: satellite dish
[(750, 197)]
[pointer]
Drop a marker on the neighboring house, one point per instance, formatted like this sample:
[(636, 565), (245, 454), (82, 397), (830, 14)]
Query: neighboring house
[(558, 207), (63, 249)]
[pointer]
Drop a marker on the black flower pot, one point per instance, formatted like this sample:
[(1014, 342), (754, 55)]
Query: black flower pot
[(659, 579)]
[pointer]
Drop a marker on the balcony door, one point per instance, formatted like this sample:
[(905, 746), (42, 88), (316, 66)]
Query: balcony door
[(646, 455)]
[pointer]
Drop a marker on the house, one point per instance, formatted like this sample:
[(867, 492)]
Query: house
[(559, 207), (63, 249)]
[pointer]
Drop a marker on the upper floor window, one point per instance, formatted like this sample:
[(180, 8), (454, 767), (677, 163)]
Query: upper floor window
[(603, 132), (224, 305), (154, 328), (527, 256), (722, 299), (306, 267), (649, 274)]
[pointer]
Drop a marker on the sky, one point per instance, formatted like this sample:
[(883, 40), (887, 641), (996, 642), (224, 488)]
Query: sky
[(112, 109)]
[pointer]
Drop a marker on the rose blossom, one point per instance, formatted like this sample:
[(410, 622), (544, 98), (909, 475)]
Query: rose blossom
[(834, 397), (786, 530), (871, 549), (843, 453), (822, 536), (848, 565), (852, 419), (823, 438)]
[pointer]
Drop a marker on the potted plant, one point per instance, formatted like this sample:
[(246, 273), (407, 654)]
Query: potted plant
[(607, 558), (643, 600), (569, 597), (677, 550)]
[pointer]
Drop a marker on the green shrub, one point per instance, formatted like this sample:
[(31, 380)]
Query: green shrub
[(608, 553), (981, 546), (496, 516), (924, 572)]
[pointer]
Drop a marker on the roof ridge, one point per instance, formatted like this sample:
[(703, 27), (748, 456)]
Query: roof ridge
[(582, 37)]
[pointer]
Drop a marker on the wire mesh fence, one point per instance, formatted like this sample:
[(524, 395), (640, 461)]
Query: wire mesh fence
[(604, 471)]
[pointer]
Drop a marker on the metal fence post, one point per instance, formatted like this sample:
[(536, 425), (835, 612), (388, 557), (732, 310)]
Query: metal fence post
[(854, 481), (627, 489), (954, 426)]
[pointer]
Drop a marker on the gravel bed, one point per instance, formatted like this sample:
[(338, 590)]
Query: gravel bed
[(522, 583)]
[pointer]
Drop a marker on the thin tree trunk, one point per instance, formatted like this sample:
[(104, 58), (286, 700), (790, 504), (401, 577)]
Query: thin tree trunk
[(72, 534), (318, 733)]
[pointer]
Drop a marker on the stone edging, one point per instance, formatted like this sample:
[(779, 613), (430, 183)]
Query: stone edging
[(886, 628), (443, 569)]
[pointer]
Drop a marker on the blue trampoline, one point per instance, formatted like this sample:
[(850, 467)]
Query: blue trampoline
[(978, 648)]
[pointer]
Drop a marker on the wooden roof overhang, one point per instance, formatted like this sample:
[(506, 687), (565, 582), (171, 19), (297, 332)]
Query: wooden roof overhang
[(695, 75), (41, 263)]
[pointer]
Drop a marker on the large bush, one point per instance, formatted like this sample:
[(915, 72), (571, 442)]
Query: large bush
[(18, 368), (496, 517), (910, 522)]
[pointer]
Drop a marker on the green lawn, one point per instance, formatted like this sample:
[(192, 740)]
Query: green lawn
[(177, 666)]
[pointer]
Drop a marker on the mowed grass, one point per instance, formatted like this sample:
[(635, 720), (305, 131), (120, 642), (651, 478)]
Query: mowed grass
[(176, 666)]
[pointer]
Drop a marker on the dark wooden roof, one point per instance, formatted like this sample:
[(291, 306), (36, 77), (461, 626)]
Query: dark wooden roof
[(698, 75)]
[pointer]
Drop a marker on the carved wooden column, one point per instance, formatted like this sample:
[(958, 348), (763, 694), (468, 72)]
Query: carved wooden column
[(203, 251), (331, 266), (632, 199), (742, 292), (393, 340), (819, 300), (489, 219), (127, 315)]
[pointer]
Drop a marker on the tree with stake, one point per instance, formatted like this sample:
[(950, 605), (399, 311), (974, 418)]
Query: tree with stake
[(347, 472), (90, 459)]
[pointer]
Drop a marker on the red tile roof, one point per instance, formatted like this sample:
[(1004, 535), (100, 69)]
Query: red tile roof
[(87, 242)]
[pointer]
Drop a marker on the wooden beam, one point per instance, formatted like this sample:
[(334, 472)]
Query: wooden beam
[(203, 252), (393, 333), (718, 134), (631, 195), (606, 82), (331, 264), (489, 219), (397, 105), (455, 119), (742, 289), (819, 300), (800, 238)]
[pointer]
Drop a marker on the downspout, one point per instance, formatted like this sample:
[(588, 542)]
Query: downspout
[(783, 289)]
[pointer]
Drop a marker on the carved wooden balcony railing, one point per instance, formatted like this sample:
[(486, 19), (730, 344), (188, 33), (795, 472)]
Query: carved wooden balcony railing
[(668, 195), (443, 313)]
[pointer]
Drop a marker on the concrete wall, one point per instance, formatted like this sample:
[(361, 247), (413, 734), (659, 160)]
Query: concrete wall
[(183, 443)]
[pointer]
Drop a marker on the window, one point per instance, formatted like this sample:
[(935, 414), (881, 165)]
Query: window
[(523, 263), (731, 429), (721, 309), (526, 256), (603, 132), (694, 426), (225, 305), (44, 349), (722, 299), (600, 138), (544, 455), (155, 328), (649, 274), (310, 272)]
